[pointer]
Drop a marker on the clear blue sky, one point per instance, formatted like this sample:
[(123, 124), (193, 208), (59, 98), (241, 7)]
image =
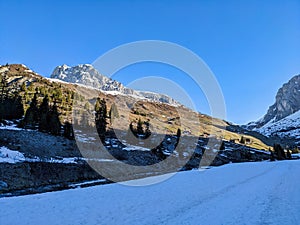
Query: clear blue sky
[(252, 47)]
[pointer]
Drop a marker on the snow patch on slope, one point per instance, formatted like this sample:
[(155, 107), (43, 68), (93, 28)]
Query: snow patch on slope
[(9, 156), (288, 126)]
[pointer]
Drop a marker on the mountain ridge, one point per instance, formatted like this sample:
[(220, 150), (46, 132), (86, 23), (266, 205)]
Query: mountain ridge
[(87, 75)]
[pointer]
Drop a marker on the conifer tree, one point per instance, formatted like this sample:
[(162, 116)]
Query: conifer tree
[(100, 116), (54, 123), (68, 130), (242, 141), (31, 119), (178, 134), (288, 154), (139, 128), (44, 115), (147, 130)]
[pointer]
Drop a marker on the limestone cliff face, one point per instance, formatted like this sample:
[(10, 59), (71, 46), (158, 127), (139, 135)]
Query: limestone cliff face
[(287, 103), (283, 117), (287, 99)]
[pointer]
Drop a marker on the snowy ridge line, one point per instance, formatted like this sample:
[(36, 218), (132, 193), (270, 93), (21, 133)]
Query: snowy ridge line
[(88, 76)]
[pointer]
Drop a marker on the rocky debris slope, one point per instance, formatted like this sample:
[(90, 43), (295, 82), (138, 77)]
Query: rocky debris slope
[(47, 164)]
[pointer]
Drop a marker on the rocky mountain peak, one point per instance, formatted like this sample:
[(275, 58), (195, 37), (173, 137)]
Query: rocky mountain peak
[(283, 117), (87, 75), (287, 101)]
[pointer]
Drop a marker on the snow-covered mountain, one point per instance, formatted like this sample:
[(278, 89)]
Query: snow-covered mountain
[(283, 117), (288, 127), (87, 75)]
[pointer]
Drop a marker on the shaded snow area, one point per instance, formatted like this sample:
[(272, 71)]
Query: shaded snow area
[(244, 193), (10, 126), (135, 148), (9, 156), (12, 156), (286, 127)]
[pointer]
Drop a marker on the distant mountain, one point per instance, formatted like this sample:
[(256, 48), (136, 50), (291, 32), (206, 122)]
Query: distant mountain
[(87, 75), (283, 117)]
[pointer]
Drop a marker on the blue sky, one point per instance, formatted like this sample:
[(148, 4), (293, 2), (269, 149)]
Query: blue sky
[(252, 47)]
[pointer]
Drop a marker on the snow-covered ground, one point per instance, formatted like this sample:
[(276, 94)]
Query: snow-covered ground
[(12, 156), (245, 193), (10, 126), (9, 156)]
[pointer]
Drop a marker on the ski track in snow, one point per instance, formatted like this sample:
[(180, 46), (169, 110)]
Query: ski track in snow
[(245, 193)]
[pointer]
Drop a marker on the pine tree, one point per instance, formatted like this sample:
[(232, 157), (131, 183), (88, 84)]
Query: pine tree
[(44, 111), (31, 119), (242, 141), (147, 130), (139, 127), (54, 123), (279, 152), (3, 95), (288, 154), (222, 147), (178, 134), (100, 116), (19, 108), (68, 130)]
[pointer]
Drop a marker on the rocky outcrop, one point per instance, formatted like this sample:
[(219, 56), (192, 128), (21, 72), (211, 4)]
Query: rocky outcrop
[(282, 121), (287, 102)]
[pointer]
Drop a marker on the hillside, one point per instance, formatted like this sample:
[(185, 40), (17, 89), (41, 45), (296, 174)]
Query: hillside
[(164, 118), (286, 128), (248, 193), (52, 133)]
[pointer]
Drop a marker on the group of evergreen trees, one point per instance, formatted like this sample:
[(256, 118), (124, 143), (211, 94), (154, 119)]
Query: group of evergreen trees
[(140, 129), (101, 116), (279, 153), (11, 106), (44, 117), (15, 98)]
